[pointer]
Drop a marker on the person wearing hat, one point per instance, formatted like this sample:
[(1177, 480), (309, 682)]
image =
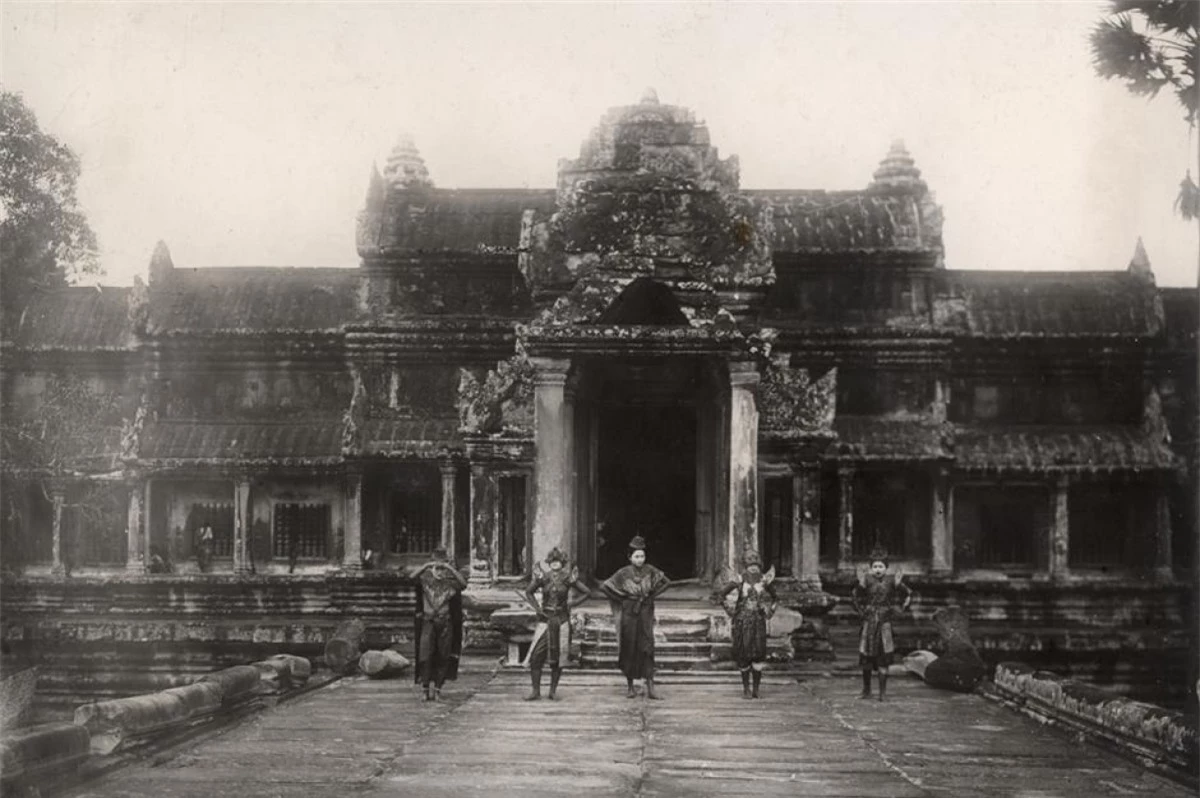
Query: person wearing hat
[(552, 639), (875, 598), (438, 621), (632, 591), (750, 601)]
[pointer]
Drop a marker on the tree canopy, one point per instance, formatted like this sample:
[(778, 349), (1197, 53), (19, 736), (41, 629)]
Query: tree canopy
[(45, 239), (1151, 46)]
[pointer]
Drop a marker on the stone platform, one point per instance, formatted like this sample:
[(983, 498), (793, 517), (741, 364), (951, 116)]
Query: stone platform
[(811, 737)]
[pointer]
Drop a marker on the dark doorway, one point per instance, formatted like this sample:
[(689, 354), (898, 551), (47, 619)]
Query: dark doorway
[(646, 462)]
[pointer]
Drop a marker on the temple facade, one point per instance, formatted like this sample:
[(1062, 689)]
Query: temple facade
[(644, 349)]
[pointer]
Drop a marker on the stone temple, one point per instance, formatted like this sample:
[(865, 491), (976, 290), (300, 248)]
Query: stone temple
[(646, 348)]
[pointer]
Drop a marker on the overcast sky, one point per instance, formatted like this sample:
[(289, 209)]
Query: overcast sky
[(244, 134)]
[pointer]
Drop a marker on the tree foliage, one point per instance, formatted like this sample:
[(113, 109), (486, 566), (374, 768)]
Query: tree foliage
[(45, 239), (1152, 46)]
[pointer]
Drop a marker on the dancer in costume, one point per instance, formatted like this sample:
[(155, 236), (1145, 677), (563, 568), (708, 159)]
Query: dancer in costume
[(552, 639), (632, 591), (750, 601), (875, 599), (438, 623)]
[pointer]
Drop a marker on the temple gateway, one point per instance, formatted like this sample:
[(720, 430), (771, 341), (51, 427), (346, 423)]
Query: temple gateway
[(646, 349)]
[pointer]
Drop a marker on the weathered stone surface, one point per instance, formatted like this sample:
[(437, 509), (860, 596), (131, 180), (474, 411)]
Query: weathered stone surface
[(34, 750), (235, 682), (110, 723), (386, 664), (814, 738), (199, 698), (343, 649), (1151, 731), (283, 671)]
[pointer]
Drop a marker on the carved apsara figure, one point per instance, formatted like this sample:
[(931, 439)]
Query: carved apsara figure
[(750, 601), (876, 598), (552, 638), (439, 622), (632, 591)]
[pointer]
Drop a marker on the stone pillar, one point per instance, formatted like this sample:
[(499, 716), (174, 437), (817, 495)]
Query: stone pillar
[(241, 525), (57, 498), (743, 460), (554, 515), (845, 561), (352, 529), (806, 523), (1163, 556), (136, 556), (941, 527), (483, 524), (449, 472), (1060, 529)]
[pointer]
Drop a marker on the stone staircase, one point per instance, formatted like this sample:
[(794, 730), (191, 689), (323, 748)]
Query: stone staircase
[(690, 636)]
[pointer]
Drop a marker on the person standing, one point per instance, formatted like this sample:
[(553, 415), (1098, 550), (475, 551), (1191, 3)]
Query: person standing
[(204, 547), (438, 623), (632, 591), (552, 640), (875, 599), (750, 601)]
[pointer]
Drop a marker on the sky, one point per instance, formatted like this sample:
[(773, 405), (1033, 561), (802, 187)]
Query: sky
[(244, 134)]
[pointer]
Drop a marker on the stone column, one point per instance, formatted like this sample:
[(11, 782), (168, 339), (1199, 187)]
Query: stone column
[(806, 523), (449, 472), (57, 498), (136, 555), (241, 525), (845, 561), (352, 529), (1163, 556), (483, 524), (941, 527), (554, 515), (1060, 529), (743, 460)]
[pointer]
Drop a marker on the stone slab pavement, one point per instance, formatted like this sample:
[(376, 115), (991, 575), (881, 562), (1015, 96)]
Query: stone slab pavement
[(803, 738)]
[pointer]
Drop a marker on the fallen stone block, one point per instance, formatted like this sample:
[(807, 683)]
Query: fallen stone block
[(111, 723), (345, 646), (200, 698), (385, 664), (235, 682), (917, 662), (283, 671), (30, 752)]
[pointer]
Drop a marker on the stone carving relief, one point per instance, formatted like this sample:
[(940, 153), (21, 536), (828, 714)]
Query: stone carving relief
[(795, 401), (500, 401)]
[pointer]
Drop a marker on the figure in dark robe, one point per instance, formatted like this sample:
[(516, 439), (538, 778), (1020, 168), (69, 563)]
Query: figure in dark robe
[(879, 598), (552, 638), (632, 591), (438, 623), (750, 601)]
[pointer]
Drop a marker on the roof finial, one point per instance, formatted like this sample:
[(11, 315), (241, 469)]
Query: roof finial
[(160, 262), (897, 170), (1139, 264), (405, 167), (649, 97)]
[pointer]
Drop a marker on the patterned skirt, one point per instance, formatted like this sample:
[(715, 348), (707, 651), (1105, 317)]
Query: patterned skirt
[(749, 632)]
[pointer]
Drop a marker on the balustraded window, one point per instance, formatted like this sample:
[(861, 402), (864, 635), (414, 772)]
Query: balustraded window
[(892, 511), (513, 527), (1000, 526), (777, 524), (1111, 526), (301, 531), (218, 515), (93, 525), (416, 519)]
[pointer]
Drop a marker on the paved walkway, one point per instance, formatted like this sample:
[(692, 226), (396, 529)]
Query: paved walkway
[(363, 738)]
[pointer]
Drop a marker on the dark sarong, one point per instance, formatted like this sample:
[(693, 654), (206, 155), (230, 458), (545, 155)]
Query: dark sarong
[(631, 591)]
